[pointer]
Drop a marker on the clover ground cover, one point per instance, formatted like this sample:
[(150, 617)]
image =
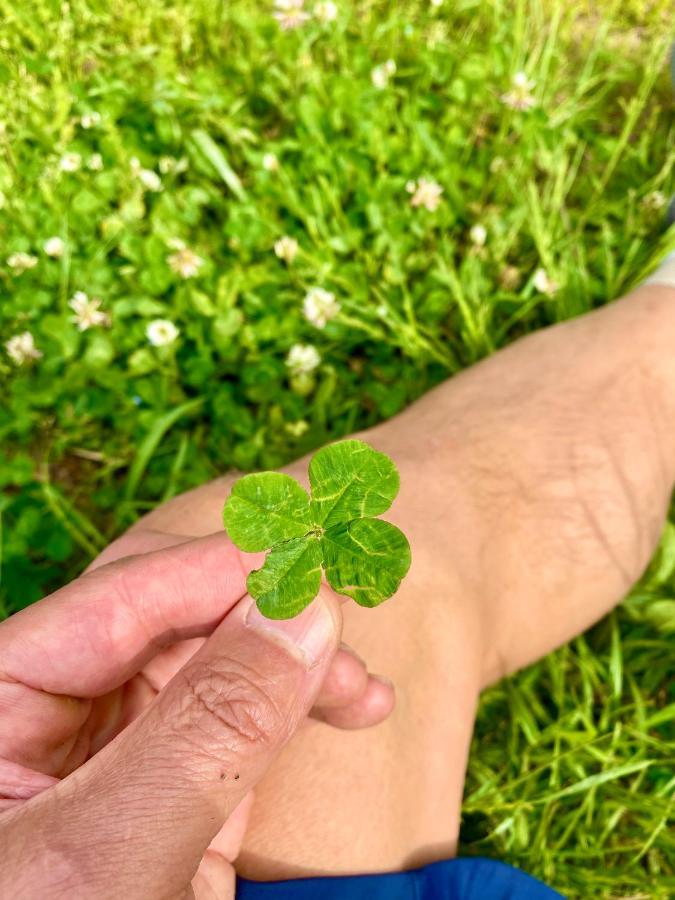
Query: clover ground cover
[(227, 240)]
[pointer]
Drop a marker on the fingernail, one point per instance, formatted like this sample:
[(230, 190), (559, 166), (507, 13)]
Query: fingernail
[(307, 636), (382, 679)]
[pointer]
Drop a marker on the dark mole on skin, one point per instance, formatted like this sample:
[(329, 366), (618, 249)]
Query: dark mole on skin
[(223, 776), (236, 777)]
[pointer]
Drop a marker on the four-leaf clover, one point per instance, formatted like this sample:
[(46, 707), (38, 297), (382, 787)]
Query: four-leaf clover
[(364, 557)]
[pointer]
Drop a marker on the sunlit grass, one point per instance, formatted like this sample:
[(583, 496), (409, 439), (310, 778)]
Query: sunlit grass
[(571, 772)]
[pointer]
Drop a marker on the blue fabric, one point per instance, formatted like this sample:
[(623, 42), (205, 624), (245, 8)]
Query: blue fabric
[(454, 879)]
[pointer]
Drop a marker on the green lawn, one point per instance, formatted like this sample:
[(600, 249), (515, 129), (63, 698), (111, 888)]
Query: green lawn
[(170, 145)]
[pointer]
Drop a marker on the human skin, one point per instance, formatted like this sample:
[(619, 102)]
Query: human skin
[(113, 729), (534, 487)]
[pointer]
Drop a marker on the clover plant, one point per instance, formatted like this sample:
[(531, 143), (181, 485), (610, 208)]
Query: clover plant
[(333, 528)]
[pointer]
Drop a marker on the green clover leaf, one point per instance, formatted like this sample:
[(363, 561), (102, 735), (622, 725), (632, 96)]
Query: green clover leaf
[(289, 580), (364, 557), (350, 480), (265, 509)]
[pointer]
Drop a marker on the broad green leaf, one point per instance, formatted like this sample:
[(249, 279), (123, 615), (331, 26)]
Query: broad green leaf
[(365, 559), (265, 509), (349, 481), (289, 579)]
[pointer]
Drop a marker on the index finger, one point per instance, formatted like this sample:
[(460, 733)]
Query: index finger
[(113, 619)]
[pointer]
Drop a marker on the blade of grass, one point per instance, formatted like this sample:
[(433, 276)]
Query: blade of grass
[(158, 430), (82, 531), (210, 151)]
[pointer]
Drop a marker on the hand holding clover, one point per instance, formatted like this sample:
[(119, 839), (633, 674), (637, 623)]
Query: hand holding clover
[(335, 528), (133, 726)]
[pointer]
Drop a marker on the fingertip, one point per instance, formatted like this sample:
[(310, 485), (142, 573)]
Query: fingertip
[(383, 698), (374, 706), (229, 839), (379, 700), (346, 680), (215, 878)]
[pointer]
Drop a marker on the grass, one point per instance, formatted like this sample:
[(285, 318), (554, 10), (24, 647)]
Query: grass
[(571, 774)]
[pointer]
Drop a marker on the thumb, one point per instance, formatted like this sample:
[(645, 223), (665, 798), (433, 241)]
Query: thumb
[(147, 806)]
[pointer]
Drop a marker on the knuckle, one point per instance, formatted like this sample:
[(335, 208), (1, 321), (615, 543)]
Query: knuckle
[(231, 706)]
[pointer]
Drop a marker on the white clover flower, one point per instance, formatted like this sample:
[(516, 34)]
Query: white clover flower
[(302, 359), (320, 306), (150, 180), (379, 78), (437, 33), (436, 3), (381, 74), (510, 278), (286, 248), (54, 247), (184, 262), (326, 11), (427, 193), (655, 201), (270, 163), (70, 162), (169, 165), (90, 120), (21, 348), (88, 313), (520, 96), (21, 262), (296, 429), (290, 14), (478, 235), (161, 332), (95, 162), (544, 284), (520, 80)]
